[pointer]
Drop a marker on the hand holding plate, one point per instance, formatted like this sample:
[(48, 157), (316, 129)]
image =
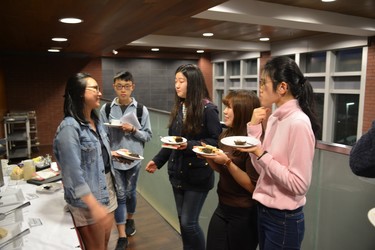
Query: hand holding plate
[(117, 157)]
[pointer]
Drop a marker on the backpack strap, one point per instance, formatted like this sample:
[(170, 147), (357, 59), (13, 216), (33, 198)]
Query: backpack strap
[(139, 112), (107, 109)]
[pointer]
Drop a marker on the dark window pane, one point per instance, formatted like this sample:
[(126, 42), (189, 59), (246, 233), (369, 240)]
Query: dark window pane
[(316, 62), (348, 60), (319, 107), (346, 118)]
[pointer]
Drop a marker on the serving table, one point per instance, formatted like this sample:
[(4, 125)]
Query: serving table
[(51, 227)]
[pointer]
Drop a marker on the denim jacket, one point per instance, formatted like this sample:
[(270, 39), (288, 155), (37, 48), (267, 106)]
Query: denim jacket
[(79, 156)]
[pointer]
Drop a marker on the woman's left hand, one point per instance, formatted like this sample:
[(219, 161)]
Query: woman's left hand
[(257, 150), (219, 158), (182, 146)]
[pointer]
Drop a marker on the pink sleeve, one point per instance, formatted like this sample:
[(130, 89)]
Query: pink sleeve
[(255, 131), (296, 175)]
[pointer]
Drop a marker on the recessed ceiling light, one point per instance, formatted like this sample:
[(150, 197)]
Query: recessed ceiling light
[(115, 52), (155, 49), (54, 50), (327, 1), (59, 39), (200, 51), (70, 20), (208, 34), (264, 39)]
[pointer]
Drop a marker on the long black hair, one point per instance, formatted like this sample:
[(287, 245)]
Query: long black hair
[(196, 95), (284, 69), (74, 102)]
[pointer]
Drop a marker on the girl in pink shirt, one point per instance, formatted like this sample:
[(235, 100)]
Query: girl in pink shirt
[(285, 156)]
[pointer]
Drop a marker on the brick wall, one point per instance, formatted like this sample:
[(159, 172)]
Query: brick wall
[(38, 83), (369, 111), (205, 65), (94, 68)]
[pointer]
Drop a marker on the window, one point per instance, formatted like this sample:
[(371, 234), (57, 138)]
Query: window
[(346, 118), (348, 60), (319, 108)]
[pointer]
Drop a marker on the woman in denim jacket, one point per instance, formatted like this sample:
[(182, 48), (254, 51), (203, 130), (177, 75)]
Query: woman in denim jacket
[(82, 151), (195, 118)]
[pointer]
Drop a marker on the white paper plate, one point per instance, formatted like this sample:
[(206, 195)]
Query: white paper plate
[(11, 197), (49, 187), (198, 151), (171, 140), (13, 230), (14, 217), (112, 125), (250, 141), (127, 156), (371, 216)]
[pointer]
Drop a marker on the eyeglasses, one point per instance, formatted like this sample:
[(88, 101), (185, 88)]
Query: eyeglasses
[(262, 83), (126, 87), (94, 88)]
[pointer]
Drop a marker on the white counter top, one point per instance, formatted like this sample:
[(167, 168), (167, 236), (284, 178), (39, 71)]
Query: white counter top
[(57, 230)]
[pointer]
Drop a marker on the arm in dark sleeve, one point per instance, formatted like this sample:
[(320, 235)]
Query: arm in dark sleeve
[(362, 155), (162, 157)]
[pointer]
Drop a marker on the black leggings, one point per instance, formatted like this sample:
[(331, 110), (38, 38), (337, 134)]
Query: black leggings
[(233, 228)]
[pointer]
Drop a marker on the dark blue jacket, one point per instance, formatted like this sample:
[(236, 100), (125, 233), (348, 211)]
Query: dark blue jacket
[(362, 155), (185, 169)]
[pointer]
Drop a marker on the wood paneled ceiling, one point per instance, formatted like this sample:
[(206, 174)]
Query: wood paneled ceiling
[(175, 26)]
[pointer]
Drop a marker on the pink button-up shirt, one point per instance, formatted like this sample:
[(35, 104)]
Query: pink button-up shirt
[(285, 171)]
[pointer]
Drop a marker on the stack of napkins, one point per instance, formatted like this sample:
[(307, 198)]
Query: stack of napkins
[(45, 174)]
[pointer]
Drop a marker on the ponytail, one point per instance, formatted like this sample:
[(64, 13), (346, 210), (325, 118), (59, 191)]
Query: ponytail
[(284, 69)]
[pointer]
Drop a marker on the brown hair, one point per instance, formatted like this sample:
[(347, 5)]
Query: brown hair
[(242, 102)]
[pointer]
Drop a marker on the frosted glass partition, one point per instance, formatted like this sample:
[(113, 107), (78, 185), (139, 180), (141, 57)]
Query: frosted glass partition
[(336, 209)]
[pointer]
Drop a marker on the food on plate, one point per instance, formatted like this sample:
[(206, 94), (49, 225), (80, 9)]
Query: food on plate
[(125, 153), (3, 232), (239, 142), (208, 149), (17, 173), (133, 154), (177, 138)]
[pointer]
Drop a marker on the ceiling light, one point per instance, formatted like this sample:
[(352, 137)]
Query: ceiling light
[(208, 34), (115, 52), (155, 49), (70, 20), (200, 51), (54, 50), (264, 39), (59, 39), (327, 1)]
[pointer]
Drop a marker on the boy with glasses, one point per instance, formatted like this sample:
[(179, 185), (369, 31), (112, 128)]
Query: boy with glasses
[(126, 136)]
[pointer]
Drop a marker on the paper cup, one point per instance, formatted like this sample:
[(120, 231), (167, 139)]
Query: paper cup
[(115, 122), (28, 169)]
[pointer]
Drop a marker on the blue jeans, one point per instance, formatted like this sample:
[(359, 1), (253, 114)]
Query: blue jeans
[(280, 229), (189, 205), (126, 191)]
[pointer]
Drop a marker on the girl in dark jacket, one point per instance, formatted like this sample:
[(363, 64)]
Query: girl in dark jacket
[(195, 118)]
